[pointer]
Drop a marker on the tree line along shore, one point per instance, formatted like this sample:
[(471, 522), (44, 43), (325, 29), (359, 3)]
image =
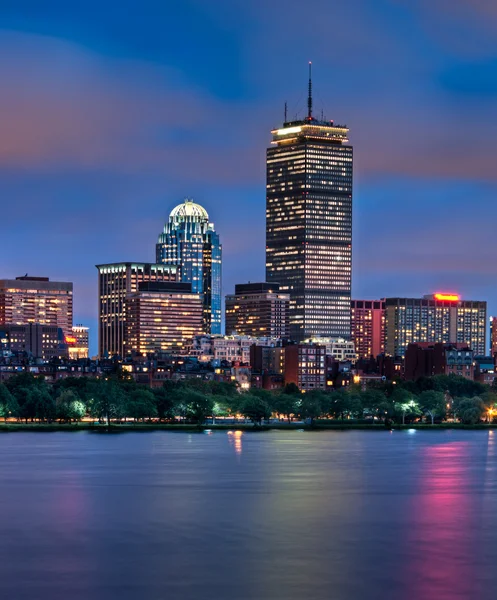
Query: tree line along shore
[(442, 400)]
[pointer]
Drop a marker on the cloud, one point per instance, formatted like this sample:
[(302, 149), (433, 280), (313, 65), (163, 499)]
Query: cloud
[(63, 106)]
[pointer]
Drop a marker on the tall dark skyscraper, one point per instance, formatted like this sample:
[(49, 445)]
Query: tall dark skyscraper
[(309, 223)]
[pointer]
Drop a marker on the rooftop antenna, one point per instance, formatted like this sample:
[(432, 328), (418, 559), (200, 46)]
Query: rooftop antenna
[(286, 111), (309, 98)]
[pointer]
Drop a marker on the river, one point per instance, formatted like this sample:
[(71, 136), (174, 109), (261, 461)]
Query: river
[(404, 515)]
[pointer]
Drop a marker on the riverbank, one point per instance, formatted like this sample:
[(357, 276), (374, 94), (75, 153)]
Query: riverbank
[(246, 427)]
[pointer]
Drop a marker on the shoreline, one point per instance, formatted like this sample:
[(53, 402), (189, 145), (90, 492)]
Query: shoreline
[(245, 427)]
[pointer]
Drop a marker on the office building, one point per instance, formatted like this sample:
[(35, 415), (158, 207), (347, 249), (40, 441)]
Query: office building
[(78, 342), (309, 224), (190, 242), (258, 309), (443, 318), (33, 341), (115, 282), (368, 327), (38, 300), (161, 316)]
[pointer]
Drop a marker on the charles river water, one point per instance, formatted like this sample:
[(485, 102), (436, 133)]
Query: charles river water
[(277, 515)]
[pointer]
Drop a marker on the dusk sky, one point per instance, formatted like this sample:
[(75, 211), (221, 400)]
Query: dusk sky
[(112, 112)]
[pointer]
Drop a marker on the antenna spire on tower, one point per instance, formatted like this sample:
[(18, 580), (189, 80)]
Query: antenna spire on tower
[(309, 98)]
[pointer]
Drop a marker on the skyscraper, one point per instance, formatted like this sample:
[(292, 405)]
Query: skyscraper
[(190, 242), (309, 223)]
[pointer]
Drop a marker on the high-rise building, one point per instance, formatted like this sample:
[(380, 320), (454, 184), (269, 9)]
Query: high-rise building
[(258, 309), (190, 242), (443, 318), (309, 223), (368, 327), (38, 300), (161, 316), (115, 282), (78, 342)]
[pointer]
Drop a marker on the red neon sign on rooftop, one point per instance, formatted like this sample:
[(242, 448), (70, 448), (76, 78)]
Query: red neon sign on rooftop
[(447, 297)]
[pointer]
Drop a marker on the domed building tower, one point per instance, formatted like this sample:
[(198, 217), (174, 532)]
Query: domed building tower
[(190, 242)]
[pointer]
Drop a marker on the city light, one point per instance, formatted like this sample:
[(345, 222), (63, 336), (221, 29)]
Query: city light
[(447, 297)]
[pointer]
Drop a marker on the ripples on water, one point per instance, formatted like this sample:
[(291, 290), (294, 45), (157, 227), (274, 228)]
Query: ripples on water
[(283, 515)]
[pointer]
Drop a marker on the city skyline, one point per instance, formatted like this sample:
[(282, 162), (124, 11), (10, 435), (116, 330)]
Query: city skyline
[(76, 92)]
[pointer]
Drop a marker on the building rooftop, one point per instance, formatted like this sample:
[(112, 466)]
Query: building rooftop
[(189, 210)]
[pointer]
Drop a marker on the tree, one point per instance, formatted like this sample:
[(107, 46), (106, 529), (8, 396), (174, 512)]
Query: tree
[(343, 402), (410, 409), (141, 404), (9, 406), (285, 404), (164, 404), (311, 406), (292, 389), (374, 403), (469, 410), (64, 409), (254, 408), (108, 400), (198, 406), (432, 403)]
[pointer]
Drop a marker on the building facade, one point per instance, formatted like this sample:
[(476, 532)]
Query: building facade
[(305, 365), (339, 348), (78, 342), (115, 282), (230, 348), (443, 318), (33, 340), (161, 316), (426, 360), (258, 309), (26, 300), (309, 224), (493, 336), (367, 325), (190, 242)]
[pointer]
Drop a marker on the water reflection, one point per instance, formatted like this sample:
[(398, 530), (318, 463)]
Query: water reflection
[(445, 519), (235, 440), (341, 515)]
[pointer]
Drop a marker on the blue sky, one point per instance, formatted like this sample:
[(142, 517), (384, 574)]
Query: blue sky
[(112, 112)]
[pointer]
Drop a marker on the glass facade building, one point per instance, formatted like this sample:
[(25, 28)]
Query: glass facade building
[(190, 242), (435, 318), (309, 224)]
